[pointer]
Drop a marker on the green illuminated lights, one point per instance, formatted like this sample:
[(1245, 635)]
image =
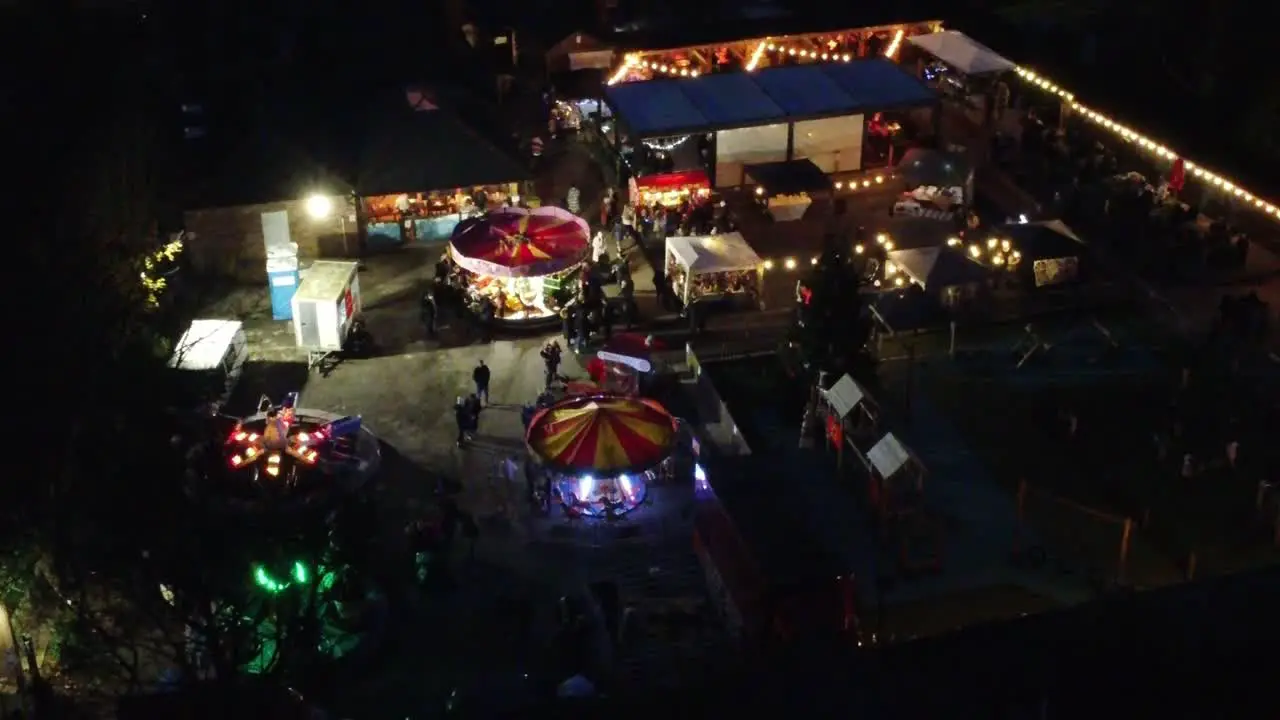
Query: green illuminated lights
[(299, 573)]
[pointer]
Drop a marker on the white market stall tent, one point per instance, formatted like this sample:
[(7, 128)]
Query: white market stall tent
[(708, 265), (962, 52)]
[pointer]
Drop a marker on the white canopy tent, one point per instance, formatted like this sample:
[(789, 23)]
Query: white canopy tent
[(888, 456), (962, 52), (710, 254), (845, 396)]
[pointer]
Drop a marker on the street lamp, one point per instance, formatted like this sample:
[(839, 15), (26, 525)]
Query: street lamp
[(319, 207)]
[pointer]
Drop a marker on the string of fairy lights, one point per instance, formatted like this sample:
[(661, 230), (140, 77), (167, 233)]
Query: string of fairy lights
[(1159, 149)]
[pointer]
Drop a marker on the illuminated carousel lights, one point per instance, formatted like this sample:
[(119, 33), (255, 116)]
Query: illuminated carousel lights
[(1146, 143)]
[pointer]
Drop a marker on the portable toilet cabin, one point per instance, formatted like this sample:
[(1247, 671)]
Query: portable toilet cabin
[(326, 301), (209, 359)]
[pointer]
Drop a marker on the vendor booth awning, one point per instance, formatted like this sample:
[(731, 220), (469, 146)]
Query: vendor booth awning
[(923, 166), (725, 101), (789, 177), (907, 310), (1045, 240), (514, 242), (674, 180), (938, 267), (844, 396), (602, 435), (632, 349), (713, 253), (889, 455), (962, 52), (428, 148)]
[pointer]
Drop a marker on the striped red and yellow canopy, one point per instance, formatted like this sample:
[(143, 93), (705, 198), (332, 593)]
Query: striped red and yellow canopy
[(602, 434)]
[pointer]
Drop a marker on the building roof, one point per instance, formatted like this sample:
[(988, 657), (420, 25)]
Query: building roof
[(430, 148), (680, 33), (660, 108)]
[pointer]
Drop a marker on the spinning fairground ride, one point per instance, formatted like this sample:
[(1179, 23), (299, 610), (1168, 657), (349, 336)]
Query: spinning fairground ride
[(291, 479), (287, 457), (521, 260), (602, 450)]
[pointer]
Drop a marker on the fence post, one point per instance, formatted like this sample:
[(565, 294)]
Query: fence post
[(1124, 550), (952, 349), (1019, 525)]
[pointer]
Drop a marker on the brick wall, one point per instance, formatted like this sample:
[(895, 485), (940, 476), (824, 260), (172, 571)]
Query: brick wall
[(227, 242)]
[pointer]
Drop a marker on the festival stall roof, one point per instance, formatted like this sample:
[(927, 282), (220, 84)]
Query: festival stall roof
[(907, 310), (724, 101), (1045, 240), (925, 166), (845, 396), (938, 267), (680, 34), (714, 253), (889, 455), (789, 177), (579, 51), (962, 52), (424, 147)]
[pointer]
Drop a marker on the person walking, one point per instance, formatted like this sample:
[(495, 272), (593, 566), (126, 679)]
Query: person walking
[(481, 376), (430, 313), (551, 361), (462, 416)]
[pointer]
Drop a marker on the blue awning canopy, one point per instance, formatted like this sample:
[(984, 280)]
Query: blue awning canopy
[(655, 109), (879, 84), (805, 91), (725, 101)]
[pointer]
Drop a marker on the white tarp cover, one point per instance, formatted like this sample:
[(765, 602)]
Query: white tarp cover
[(962, 52), (888, 456), (844, 396), (705, 254), (204, 345)]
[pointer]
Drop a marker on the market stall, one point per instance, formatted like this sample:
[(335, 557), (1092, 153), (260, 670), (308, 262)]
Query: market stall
[(1049, 249), (713, 266), (671, 189), (942, 272), (210, 358), (938, 184), (788, 187), (601, 451), (517, 259), (623, 361)]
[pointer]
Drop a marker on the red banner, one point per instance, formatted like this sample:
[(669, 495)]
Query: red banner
[(674, 181), (1178, 175), (835, 430)]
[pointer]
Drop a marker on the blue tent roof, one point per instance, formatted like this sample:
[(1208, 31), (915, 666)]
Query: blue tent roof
[(806, 91), (732, 99), (657, 108), (878, 84), (723, 101)]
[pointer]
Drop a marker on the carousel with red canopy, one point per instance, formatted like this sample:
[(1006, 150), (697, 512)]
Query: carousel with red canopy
[(602, 450), (518, 259), (295, 455)]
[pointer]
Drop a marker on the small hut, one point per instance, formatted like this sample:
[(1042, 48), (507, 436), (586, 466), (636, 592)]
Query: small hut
[(896, 478), (852, 416)]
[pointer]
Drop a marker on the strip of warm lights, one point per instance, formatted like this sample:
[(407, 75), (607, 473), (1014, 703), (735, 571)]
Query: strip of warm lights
[(629, 62), (1151, 146), (801, 53), (892, 50), (634, 62), (755, 56)]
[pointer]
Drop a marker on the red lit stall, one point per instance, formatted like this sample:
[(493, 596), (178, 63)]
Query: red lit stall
[(670, 189)]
